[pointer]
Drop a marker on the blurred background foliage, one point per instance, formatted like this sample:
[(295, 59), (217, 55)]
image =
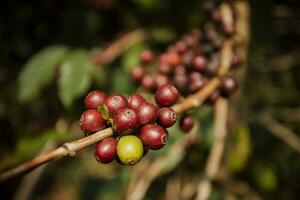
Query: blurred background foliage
[(39, 105)]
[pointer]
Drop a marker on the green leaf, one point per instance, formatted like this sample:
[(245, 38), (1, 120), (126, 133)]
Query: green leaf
[(239, 149), (104, 111), (75, 76), (38, 71)]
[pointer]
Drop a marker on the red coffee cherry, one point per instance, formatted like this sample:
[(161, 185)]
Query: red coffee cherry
[(153, 136), (179, 70), (91, 121), (146, 57), (148, 82), (115, 102), (173, 58), (235, 62), (197, 81), (187, 58), (160, 80), (229, 86), (137, 74), (163, 59), (181, 47), (135, 101), (166, 95), (164, 69), (166, 117), (147, 113), (94, 99), (106, 150), (125, 121), (199, 63), (186, 123), (181, 82), (213, 97)]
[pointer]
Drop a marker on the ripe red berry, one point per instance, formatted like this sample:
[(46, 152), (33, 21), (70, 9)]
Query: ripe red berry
[(236, 61), (187, 58), (166, 117), (160, 80), (179, 70), (173, 58), (181, 47), (146, 56), (229, 86), (137, 74), (197, 81), (213, 97), (147, 113), (181, 82), (135, 101), (153, 136), (106, 150), (186, 123), (125, 121), (148, 82), (115, 102), (166, 95), (94, 99), (163, 59), (199, 63), (164, 68), (91, 121)]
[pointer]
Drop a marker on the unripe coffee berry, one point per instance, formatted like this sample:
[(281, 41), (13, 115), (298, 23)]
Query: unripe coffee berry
[(106, 150), (153, 136), (135, 101), (115, 102), (94, 99), (166, 117), (91, 121), (125, 121), (147, 113), (186, 123), (130, 149), (146, 56), (166, 95)]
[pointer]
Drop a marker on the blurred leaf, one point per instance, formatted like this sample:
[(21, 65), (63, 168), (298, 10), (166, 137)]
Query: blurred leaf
[(104, 111), (39, 70), (265, 177), (75, 76), (131, 58), (122, 82), (163, 34), (239, 149)]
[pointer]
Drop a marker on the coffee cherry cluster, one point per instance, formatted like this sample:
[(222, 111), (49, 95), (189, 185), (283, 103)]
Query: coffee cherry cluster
[(138, 124), (192, 61)]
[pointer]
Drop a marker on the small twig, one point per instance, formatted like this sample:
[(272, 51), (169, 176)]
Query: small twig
[(69, 148), (106, 56), (281, 131), (214, 159)]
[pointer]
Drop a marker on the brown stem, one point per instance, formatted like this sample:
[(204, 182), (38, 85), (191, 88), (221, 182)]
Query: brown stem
[(281, 131), (69, 148), (214, 159), (106, 56)]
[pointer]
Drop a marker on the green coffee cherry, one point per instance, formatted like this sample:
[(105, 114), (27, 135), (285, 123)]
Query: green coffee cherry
[(130, 149)]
